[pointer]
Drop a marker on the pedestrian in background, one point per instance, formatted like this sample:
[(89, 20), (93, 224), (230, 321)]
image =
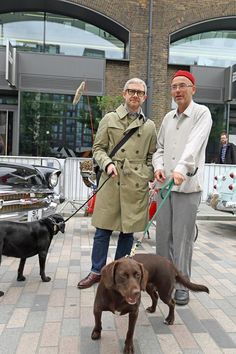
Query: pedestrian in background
[(227, 154), (181, 145), (122, 203)]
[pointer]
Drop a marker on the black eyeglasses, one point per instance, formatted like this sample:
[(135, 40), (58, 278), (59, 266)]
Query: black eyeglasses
[(133, 92)]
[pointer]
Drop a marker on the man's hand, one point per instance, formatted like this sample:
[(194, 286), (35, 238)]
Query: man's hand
[(178, 178), (160, 176), (111, 169)]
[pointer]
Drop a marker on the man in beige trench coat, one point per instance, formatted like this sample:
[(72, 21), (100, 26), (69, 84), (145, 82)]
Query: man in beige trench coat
[(122, 203)]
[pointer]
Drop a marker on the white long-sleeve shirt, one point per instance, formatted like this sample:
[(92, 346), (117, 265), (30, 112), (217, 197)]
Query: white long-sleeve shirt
[(181, 145)]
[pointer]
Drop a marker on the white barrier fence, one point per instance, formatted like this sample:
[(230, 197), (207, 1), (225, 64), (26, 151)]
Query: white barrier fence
[(210, 171), (74, 190)]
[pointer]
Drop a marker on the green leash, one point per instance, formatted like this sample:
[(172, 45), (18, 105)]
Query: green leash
[(167, 187)]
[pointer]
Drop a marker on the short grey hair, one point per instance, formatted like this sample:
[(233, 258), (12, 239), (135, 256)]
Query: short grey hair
[(135, 80)]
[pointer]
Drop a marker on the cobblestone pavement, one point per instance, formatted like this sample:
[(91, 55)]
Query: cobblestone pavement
[(56, 317)]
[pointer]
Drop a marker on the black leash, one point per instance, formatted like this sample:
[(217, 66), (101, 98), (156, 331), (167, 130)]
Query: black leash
[(109, 176)]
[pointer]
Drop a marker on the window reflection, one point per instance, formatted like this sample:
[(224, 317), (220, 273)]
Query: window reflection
[(51, 126), (214, 48), (57, 34)]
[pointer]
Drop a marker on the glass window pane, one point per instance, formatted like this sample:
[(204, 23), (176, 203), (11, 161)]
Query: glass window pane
[(214, 48), (70, 36), (47, 127), (24, 30), (57, 34)]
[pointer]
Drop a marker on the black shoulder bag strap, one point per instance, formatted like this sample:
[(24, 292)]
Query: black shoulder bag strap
[(116, 148), (122, 141)]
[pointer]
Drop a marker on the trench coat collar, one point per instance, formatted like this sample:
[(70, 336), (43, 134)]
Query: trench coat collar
[(122, 113)]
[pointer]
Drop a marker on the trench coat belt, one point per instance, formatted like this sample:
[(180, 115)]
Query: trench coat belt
[(127, 169)]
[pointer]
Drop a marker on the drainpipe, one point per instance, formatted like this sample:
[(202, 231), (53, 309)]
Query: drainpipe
[(149, 61)]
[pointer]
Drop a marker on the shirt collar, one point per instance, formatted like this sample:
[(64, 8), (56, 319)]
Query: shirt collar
[(187, 112), (123, 111)]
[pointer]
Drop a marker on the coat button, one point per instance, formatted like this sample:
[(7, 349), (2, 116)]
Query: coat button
[(139, 135), (137, 185), (118, 183), (137, 151), (122, 150), (136, 168)]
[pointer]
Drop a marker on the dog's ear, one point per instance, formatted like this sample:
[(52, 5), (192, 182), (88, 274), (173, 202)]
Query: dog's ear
[(108, 274), (144, 278)]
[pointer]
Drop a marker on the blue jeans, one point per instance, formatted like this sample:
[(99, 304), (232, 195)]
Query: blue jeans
[(101, 244)]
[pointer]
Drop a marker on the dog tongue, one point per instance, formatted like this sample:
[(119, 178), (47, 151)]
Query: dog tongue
[(131, 300)]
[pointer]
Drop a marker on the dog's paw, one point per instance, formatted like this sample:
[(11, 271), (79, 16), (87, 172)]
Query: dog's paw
[(46, 279), (169, 321), (128, 349), (1, 293), (150, 309), (96, 334), (20, 278)]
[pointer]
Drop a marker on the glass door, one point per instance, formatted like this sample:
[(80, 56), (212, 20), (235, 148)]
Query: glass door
[(6, 132)]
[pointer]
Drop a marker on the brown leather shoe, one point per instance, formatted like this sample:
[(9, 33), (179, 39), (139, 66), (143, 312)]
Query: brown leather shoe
[(88, 281)]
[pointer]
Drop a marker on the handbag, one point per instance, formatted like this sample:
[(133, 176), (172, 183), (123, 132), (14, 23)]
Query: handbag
[(98, 171)]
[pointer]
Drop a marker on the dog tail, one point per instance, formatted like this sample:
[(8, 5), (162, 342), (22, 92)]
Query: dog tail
[(188, 284)]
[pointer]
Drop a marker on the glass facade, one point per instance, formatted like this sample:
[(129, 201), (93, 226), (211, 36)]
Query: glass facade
[(214, 48), (57, 34), (51, 125)]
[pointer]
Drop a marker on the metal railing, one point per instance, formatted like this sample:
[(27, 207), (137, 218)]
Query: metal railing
[(74, 190)]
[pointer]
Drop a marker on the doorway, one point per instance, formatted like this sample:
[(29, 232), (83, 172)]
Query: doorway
[(7, 132)]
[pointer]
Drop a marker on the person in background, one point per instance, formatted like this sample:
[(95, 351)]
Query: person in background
[(181, 145), (227, 153), (122, 203)]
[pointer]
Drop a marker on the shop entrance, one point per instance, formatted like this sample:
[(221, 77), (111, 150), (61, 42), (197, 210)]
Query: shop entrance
[(8, 141)]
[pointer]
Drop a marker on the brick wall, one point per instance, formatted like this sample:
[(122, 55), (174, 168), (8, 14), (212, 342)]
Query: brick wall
[(168, 17)]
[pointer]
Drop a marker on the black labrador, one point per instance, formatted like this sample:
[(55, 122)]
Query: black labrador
[(26, 239)]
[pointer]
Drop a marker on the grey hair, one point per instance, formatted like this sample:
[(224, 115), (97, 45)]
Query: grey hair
[(135, 80)]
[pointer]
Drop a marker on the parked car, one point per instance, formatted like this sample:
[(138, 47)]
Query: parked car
[(224, 196), (28, 192)]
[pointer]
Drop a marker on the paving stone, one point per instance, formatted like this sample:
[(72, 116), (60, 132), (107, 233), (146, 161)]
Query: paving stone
[(191, 322), (40, 303), (87, 345), (28, 343), (219, 336), (9, 340), (35, 321)]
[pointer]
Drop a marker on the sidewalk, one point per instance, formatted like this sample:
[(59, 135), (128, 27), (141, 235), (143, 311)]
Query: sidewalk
[(208, 213), (57, 318)]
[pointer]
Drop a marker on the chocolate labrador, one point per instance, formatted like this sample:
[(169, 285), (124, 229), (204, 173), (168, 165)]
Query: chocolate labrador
[(162, 275), (26, 239), (119, 290)]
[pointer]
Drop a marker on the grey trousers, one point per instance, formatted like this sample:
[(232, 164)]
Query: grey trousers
[(175, 229)]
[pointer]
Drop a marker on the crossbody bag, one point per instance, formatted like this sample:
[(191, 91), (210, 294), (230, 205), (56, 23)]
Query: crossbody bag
[(97, 169)]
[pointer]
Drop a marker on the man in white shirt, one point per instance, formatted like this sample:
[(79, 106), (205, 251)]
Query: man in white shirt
[(181, 145)]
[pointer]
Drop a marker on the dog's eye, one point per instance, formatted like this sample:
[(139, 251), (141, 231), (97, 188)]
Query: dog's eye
[(137, 275), (123, 277)]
